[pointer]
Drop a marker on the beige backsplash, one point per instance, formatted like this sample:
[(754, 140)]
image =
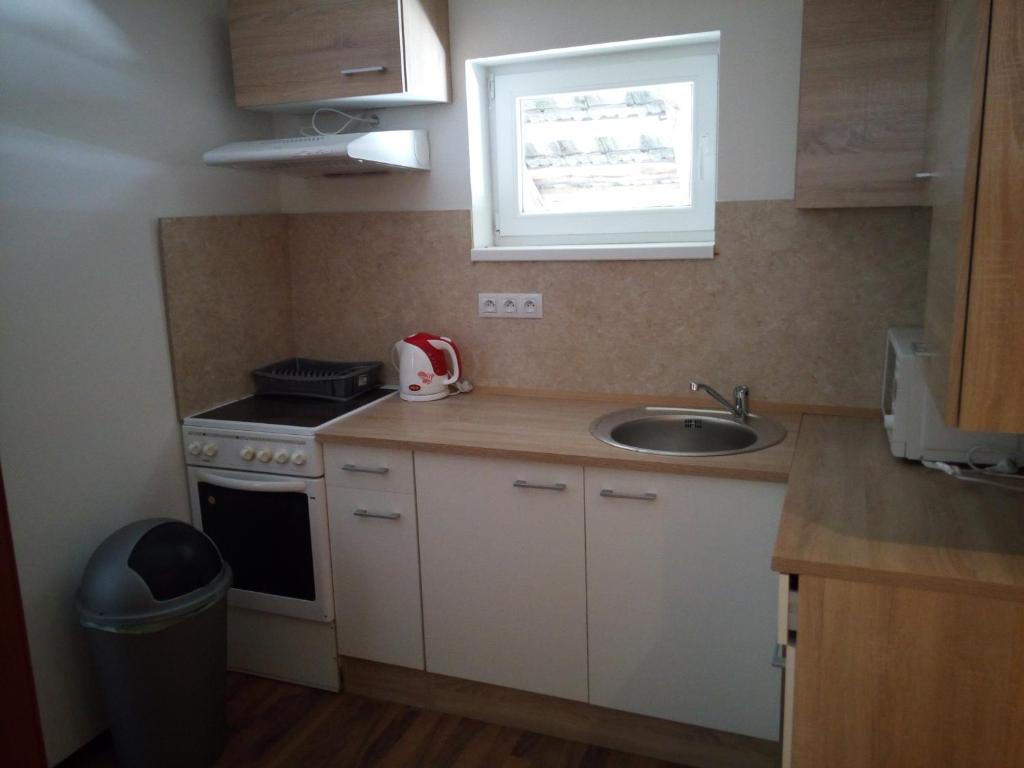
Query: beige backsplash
[(228, 298), (796, 304)]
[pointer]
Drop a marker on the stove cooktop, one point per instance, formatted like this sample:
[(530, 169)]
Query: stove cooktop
[(285, 411)]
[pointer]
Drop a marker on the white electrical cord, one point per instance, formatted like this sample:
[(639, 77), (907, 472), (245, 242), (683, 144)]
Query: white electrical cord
[(372, 120), (1007, 470), (1006, 466)]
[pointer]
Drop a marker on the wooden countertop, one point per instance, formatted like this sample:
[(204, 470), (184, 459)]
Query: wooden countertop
[(854, 512), (539, 429)]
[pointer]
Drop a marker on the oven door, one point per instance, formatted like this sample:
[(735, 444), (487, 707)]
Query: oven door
[(272, 530)]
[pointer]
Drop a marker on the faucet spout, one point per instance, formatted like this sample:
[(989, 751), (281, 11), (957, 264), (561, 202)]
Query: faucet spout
[(739, 409)]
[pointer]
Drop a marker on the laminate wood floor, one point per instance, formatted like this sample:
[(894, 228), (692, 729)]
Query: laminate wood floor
[(277, 725)]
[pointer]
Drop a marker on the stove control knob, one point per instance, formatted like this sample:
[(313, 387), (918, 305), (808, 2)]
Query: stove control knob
[(248, 453), (264, 455), (298, 458), (210, 450), (281, 457), (195, 449)]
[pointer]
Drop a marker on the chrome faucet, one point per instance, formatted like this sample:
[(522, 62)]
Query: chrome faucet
[(739, 409)]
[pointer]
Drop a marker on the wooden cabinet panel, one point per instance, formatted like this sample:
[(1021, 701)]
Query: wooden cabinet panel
[(993, 367), (300, 54), (898, 677), (863, 102), (375, 561), (956, 95), (504, 574), (296, 51), (681, 599), (975, 299)]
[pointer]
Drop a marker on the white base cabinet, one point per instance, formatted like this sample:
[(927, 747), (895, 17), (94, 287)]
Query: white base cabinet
[(645, 592), (375, 555), (502, 550), (681, 598)]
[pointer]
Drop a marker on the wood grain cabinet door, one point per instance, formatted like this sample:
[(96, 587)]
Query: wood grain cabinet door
[(863, 102), (681, 599), (502, 554), (956, 92), (286, 51), (993, 366), (974, 312)]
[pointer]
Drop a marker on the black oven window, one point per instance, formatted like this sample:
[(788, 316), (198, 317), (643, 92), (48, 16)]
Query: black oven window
[(264, 537)]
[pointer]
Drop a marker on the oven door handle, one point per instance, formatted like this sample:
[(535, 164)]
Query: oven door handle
[(265, 486)]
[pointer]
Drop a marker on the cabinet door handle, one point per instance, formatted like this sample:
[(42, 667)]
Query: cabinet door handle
[(369, 470), (381, 515), (539, 486), (920, 349), (362, 70), (779, 656), (608, 493)]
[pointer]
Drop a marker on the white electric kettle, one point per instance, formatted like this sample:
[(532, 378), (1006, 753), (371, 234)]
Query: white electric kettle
[(426, 364)]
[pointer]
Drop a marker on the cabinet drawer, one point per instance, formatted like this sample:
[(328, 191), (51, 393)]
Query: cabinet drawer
[(787, 608), (372, 469), (375, 558)]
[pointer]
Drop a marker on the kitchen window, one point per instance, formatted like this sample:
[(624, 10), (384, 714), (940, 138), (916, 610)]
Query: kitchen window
[(601, 152)]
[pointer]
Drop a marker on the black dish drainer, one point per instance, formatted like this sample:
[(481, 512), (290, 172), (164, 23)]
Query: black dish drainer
[(301, 376)]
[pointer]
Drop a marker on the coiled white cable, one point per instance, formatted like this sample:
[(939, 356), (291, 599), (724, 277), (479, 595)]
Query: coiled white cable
[(1007, 466), (372, 120)]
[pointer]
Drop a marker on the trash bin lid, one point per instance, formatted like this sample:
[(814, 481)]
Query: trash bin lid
[(150, 571)]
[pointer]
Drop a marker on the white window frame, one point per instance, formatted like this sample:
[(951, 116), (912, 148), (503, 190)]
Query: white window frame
[(501, 232)]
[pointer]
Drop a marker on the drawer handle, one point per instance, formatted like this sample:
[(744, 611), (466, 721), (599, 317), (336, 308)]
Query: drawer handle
[(539, 486), (608, 493), (380, 515), (362, 70), (369, 470)]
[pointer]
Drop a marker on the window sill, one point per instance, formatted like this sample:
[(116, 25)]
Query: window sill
[(616, 252)]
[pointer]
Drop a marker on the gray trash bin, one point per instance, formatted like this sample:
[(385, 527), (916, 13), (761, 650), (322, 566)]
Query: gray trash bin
[(153, 602)]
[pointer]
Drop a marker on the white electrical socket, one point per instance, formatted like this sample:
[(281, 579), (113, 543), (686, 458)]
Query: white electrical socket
[(521, 305)]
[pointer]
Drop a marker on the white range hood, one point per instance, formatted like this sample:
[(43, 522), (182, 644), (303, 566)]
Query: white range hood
[(330, 154)]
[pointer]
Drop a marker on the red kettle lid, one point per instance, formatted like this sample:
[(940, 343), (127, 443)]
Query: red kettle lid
[(436, 357)]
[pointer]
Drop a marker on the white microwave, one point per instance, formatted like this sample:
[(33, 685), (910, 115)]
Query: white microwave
[(913, 423)]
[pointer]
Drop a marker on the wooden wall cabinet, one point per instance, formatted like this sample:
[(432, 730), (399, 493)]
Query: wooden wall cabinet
[(974, 313), (863, 103), (299, 54)]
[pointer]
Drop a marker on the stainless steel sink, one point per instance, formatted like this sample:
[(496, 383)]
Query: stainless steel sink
[(686, 431)]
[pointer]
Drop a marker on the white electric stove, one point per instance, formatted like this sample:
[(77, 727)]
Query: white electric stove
[(256, 482)]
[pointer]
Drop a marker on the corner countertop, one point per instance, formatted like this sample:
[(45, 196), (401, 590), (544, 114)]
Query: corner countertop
[(539, 429), (854, 512)]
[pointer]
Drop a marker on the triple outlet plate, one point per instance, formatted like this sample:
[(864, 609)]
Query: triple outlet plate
[(521, 305)]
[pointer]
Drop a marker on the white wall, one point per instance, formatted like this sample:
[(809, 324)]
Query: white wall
[(107, 106), (759, 84)]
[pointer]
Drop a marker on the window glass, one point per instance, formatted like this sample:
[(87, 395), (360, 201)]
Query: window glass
[(613, 149)]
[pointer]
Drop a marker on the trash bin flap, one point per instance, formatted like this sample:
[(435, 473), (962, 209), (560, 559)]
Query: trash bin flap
[(174, 561), (150, 571)]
